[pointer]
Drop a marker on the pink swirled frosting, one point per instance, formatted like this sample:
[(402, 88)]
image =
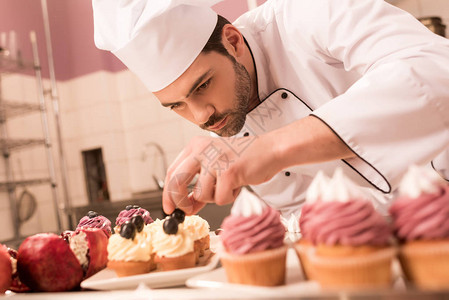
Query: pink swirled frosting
[(126, 215), (96, 222), (423, 218), (253, 233), (351, 223)]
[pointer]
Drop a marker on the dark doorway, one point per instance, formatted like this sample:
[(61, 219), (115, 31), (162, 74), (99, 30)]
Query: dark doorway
[(95, 174)]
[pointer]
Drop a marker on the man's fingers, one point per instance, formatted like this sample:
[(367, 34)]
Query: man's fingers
[(205, 187), (226, 190)]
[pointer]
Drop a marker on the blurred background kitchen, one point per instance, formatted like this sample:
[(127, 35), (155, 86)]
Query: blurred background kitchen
[(79, 131)]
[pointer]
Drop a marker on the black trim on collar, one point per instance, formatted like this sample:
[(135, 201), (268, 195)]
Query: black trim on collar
[(277, 90)]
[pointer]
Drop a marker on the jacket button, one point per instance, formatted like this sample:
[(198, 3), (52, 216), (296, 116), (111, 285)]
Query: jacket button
[(246, 134), (284, 95), (287, 173)]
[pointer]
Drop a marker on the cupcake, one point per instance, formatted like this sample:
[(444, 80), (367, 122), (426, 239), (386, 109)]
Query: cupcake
[(199, 230), (253, 243), (345, 242), (93, 220), (421, 224), (129, 252), (173, 246), (130, 211)]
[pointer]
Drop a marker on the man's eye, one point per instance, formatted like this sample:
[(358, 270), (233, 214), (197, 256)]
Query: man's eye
[(174, 106), (204, 85)]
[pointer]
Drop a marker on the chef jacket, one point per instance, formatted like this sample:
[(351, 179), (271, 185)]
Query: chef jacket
[(371, 72)]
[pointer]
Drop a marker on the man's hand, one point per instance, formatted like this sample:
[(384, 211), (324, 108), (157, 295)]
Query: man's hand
[(224, 165)]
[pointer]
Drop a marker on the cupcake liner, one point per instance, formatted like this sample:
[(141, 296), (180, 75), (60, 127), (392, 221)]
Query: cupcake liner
[(426, 263), (165, 263), (367, 270), (265, 268), (128, 268), (302, 248)]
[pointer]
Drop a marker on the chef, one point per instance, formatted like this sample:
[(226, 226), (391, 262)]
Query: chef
[(290, 88)]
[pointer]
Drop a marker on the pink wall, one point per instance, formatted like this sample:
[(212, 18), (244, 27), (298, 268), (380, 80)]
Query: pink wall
[(71, 26)]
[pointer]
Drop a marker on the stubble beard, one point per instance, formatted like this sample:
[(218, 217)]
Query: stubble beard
[(236, 116)]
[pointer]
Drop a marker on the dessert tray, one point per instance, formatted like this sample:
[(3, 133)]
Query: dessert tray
[(108, 280)]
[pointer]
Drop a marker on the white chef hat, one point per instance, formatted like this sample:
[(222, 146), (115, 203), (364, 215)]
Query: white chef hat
[(156, 39)]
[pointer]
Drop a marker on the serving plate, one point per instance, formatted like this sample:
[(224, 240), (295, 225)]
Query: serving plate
[(108, 280)]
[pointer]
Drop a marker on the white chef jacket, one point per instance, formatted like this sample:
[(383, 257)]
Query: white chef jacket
[(370, 71)]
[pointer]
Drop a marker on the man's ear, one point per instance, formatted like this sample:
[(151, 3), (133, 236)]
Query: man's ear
[(233, 40)]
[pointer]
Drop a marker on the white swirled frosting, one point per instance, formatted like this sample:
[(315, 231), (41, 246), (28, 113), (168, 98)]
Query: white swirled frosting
[(419, 180), (338, 188), (247, 204)]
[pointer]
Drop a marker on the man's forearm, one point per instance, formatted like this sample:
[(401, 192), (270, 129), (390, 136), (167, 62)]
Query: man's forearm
[(307, 141)]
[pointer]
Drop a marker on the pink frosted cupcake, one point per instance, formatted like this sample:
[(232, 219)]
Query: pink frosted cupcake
[(421, 223), (129, 212), (345, 242), (94, 220), (253, 239)]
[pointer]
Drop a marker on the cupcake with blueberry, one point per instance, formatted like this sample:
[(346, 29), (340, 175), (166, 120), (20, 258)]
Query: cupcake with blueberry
[(129, 212), (253, 240), (94, 220), (199, 230), (173, 245), (129, 251), (421, 224), (345, 242)]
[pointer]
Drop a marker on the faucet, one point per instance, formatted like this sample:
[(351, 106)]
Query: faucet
[(159, 182)]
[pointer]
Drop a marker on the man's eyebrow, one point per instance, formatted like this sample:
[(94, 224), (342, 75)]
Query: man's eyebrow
[(198, 82), (192, 89)]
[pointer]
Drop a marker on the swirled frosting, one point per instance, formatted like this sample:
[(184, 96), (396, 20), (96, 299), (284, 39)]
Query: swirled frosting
[(351, 223), (422, 210), (172, 245), (122, 249), (346, 219), (126, 215), (96, 222), (252, 226), (196, 226)]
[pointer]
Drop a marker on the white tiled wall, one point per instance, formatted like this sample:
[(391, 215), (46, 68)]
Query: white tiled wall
[(113, 111)]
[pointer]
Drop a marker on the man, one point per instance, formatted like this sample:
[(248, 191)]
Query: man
[(293, 87)]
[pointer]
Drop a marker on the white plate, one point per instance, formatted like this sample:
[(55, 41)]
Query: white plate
[(295, 284), (108, 280)]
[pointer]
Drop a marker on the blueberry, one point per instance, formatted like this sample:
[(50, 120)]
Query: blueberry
[(179, 215), (170, 225), (138, 221), (136, 206), (128, 207), (128, 230), (91, 214)]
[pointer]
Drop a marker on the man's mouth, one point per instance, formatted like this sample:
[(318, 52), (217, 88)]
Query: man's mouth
[(218, 125)]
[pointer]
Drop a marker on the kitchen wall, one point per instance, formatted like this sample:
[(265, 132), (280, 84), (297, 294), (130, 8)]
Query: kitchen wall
[(103, 105)]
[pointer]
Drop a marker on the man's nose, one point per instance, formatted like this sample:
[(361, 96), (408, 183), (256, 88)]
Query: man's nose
[(201, 112)]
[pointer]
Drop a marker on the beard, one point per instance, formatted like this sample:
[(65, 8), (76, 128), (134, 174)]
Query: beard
[(237, 115)]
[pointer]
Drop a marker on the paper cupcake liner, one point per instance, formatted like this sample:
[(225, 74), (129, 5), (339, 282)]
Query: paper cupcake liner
[(187, 260), (264, 268), (368, 270), (426, 263), (302, 248)]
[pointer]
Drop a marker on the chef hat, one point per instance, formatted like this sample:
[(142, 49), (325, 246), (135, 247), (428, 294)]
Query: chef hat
[(156, 39)]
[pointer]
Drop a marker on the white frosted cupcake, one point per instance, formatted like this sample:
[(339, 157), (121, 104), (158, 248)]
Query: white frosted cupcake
[(129, 252), (199, 229), (173, 246)]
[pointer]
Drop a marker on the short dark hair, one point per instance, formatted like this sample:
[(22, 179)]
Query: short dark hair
[(215, 43)]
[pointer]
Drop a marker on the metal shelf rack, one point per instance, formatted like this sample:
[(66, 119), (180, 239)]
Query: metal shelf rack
[(10, 109)]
